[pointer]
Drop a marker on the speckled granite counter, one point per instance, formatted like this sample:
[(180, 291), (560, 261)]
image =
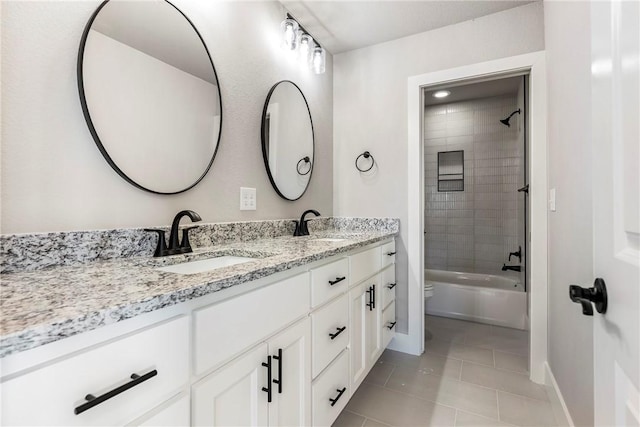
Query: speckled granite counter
[(43, 306)]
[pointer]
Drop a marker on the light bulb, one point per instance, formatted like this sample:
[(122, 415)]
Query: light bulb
[(318, 61), (305, 45), (289, 33)]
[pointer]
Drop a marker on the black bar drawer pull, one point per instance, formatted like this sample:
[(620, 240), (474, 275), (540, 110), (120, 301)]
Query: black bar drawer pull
[(267, 389), (338, 280), (94, 401), (391, 285), (340, 392), (338, 332), (391, 325), (373, 296), (370, 303), (391, 253), (279, 380)]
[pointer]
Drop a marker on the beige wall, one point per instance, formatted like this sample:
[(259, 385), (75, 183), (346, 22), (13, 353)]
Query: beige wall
[(567, 35), (53, 176), (370, 109)]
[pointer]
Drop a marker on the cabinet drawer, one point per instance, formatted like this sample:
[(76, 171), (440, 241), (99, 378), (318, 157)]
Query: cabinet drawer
[(175, 414), (48, 396), (332, 320), (329, 281), (388, 283), (364, 264), (331, 385), (388, 253), (388, 324), (225, 329)]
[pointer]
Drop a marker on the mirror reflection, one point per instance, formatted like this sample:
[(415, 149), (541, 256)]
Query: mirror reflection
[(150, 94), (288, 140)]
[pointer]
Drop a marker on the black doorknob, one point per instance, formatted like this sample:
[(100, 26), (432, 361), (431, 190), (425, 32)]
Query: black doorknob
[(596, 295)]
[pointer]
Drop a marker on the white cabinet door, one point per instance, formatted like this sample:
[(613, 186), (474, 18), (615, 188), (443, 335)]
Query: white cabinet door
[(291, 372), (358, 299), (373, 324), (233, 396)]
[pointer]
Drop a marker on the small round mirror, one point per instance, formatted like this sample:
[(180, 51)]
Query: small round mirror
[(150, 94), (287, 140)]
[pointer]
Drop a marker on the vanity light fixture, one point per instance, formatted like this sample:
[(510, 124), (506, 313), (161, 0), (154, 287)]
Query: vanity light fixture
[(296, 38), (441, 94)]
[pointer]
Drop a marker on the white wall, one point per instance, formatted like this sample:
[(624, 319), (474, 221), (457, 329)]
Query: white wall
[(370, 109), (474, 230), (54, 177), (567, 35)]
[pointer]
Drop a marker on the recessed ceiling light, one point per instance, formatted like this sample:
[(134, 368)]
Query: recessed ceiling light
[(441, 94)]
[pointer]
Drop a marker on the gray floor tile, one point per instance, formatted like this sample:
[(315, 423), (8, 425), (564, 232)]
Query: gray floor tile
[(465, 419), (379, 373), (460, 351), (371, 423), (523, 411), (398, 409), (511, 362), (349, 419), (446, 391), (511, 382), (432, 363)]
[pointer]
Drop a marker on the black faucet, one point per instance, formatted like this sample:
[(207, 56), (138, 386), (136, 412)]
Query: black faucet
[(301, 226), (175, 247), (511, 267)]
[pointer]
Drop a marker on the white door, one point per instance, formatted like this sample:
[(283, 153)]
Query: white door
[(291, 355), (358, 299), (616, 160), (233, 396)]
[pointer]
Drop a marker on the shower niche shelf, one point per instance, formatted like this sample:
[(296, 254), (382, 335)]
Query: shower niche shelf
[(451, 170)]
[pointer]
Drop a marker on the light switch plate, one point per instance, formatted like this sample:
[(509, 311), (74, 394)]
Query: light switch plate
[(552, 200), (247, 199)]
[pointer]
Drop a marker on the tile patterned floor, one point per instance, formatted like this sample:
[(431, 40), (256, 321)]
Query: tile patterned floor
[(470, 375)]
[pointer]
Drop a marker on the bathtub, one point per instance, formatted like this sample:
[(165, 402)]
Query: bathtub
[(483, 298)]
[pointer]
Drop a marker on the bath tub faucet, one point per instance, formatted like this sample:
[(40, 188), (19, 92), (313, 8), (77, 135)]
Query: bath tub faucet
[(511, 267), (301, 226)]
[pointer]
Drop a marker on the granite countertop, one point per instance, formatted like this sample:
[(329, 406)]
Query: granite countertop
[(40, 307)]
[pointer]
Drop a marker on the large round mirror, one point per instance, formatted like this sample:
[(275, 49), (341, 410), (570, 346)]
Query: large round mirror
[(150, 94), (287, 140)]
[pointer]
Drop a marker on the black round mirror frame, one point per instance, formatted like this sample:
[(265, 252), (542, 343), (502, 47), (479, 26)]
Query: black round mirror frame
[(265, 155), (87, 116)]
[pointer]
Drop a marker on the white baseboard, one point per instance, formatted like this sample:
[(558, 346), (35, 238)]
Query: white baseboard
[(553, 383)]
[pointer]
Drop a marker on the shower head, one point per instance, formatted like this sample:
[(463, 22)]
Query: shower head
[(506, 121)]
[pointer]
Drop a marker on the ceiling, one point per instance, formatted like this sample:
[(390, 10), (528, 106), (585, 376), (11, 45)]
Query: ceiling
[(346, 25), (486, 89)]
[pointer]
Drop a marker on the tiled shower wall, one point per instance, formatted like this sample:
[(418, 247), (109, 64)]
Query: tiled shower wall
[(473, 230)]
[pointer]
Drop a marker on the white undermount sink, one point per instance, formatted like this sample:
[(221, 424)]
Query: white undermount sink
[(200, 266)]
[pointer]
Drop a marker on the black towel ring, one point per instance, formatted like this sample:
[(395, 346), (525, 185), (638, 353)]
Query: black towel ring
[(306, 160), (366, 155)]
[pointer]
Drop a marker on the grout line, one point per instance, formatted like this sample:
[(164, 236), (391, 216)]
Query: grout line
[(498, 404), (460, 375), (455, 418), (389, 377)]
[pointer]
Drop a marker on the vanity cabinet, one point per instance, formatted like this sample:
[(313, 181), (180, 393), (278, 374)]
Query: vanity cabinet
[(268, 385), (288, 349)]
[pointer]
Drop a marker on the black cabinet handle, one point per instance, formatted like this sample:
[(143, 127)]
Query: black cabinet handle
[(338, 332), (94, 401), (279, 380), (338, 280), (373, 296), (391, 253), (267, 389), (391, 325), (340, 392), (391, 285), (370, 303)]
